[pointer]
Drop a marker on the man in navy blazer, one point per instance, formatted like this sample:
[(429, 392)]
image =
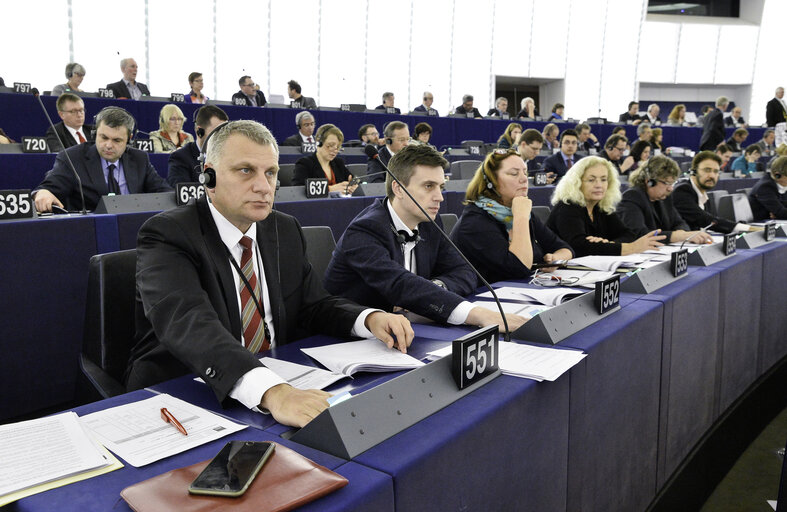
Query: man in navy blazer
[(248, 94), (106, 166), (426, 106), (713, 126), (128, 88), (183, 164), (391, 257), (558, 164)]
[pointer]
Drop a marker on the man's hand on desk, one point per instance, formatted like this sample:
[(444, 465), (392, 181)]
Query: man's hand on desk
[(292, 406), (387, 326), (45, 199), (483, 317), (596, 240), (644, 243)]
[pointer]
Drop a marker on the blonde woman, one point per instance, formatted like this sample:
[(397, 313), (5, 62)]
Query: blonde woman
[(170, 135), (508, 139), (583, 212)]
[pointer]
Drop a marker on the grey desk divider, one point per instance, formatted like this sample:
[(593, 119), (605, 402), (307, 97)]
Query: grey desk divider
[(293, 193), (648, 280), (707, 255), (558, 323), (370, 189), (351, 427), (134, 203), (751, 240), (781, 231), (456, 185)]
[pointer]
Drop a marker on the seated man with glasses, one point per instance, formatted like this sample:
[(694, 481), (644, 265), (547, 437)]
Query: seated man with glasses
[(558, 164), (614, 149), (397, 136), (72, 130), (248, 95), (691, 197), (529, 144), (305, 123), (647, 205)]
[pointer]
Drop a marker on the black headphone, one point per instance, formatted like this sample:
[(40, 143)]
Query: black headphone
[(70, 70), (402, 237), (208, 175), (132, 133), (489, 184), (776, 174), (651, 182), (200, 132)]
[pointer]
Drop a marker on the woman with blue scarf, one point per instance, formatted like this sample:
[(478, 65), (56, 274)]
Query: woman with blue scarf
[(496, 231)]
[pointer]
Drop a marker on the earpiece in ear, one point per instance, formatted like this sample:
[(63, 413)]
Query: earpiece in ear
[(208, 178), (200, 132)]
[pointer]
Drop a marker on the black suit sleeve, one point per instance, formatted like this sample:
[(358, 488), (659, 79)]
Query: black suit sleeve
[(292, 140), (52, 141), (60, 180), (305, 168), (570, 224), (340, 170), (685, 200), (180, 168), (632, 213), (768, 197)]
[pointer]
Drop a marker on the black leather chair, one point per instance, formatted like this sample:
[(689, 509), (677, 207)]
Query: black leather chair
[(542, 212), (286, 172), (449, 220), (319, 248), (109, 321), (735, 207)]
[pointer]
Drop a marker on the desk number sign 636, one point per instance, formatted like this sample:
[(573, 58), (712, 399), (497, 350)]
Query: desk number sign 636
[(475, 356)]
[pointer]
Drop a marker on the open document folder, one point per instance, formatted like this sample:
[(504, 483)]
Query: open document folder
[(546, 296), (369, 355), (41, 454)]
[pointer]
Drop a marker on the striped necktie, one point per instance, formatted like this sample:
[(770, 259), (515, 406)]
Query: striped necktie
[(255, 332)]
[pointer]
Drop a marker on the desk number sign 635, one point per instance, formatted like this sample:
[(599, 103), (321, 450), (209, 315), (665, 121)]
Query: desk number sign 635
[(475, 356)]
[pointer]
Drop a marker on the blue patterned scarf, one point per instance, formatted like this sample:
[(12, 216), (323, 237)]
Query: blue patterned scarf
[(498, 211)]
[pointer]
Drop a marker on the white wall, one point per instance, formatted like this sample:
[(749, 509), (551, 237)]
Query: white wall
[(594, 52)]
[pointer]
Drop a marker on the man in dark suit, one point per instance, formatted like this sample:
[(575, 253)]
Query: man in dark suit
[(128, 87), (368, 134), (713, 126), (735, 118), (397, 136), (426, 106), (737, 139), (183, 164), (106, 167), (190, 295), (647, 204), (305, 123), (558, 164), (768, 197), (294, 92), (767, 143), (248, 94), (587, 140), (466, 108), (691, 197), (529, 144), (391, 256), (72, 130), (614, 147), (632, 115), (388, 102), (501, 107), (652, 115), (776, 110)]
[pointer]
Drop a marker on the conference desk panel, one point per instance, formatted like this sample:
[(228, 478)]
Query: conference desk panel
[(44, 266), (739, 324), (690, 355), (773, 322), (367, 490)]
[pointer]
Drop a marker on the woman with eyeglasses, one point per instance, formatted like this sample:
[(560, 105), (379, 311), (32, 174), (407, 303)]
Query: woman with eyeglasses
[(324, 163), (583, 212), (509, 137), (75, 73), (170, 135), (196, 83), (497, 232), (647, 206)]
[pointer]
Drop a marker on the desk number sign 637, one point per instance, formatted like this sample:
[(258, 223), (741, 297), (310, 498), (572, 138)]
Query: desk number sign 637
[(475, 356)]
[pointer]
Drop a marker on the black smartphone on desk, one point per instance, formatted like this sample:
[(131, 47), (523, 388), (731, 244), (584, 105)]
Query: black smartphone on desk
[(233, 469)]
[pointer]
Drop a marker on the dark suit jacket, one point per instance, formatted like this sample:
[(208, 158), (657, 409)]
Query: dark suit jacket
[(687, 203), (373, 166), (65, 135), (642, 216), (183, 165), (556, 164), (421, 108), (294, 140), (484, 241), (383, 107), (736, 148), (368, 267), (462, 112), (494, 112), (120, 90), (728, 121), (306, 102), (309, 167), (241, 99), (187, 312), (625, 117), (774, 113), (646, 119), (712, 130), (141, 177), (572, 223), (765, 199)]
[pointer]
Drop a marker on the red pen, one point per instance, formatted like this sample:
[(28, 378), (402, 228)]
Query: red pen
[(169, 418)]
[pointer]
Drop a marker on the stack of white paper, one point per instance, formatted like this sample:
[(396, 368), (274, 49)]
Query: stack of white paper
[(584, 278), (301, 376), (547, 296), (44, 450), (528, 361), (370, 355), (609, 263), (513, 308), (137, 433)]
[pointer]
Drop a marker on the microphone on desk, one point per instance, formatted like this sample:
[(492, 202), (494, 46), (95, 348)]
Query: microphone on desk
[(372, 153), (697, 233), (357, 180), (62, 144)]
